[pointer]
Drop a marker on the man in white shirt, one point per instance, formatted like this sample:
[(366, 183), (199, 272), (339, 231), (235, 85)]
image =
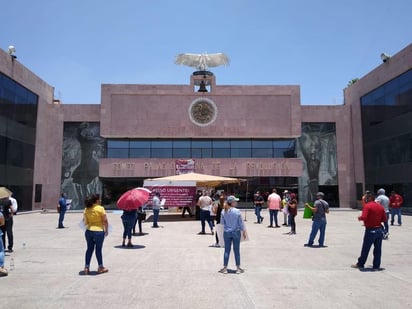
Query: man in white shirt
[(383, 200), (205, 204)]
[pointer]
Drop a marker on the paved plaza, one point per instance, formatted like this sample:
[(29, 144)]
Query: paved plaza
[(173, 267)]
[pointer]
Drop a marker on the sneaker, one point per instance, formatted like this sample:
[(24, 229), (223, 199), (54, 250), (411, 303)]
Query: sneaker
[(3, 272), (308, 245), (239, 271), (223, 271)]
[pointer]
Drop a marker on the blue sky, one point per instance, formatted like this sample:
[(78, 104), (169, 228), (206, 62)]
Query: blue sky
[(320, 45)]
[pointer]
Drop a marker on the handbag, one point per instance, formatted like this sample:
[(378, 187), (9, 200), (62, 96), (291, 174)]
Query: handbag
[(141, 215)]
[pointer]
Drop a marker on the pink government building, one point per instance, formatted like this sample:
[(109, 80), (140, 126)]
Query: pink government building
[(262, 134)]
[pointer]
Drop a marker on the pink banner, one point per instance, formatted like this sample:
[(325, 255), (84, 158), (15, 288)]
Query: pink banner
[(175, 196), (184, 166)]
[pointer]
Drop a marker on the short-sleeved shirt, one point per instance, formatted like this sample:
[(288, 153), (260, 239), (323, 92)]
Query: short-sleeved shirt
[(93, 217), (274, 201), (205, 202), (383, 200), (322, 206)]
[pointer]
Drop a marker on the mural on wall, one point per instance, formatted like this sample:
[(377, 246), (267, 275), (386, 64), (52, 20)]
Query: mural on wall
[(317, 146), (82, 148)]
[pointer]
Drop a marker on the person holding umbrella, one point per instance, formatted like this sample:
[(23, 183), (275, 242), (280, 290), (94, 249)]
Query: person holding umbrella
[(128, 219), (97, 226), (130, 202)]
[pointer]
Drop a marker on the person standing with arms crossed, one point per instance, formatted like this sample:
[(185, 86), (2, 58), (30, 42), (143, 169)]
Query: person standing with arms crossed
[(205, 204), (373, 215), (233, 228), (258, 201)]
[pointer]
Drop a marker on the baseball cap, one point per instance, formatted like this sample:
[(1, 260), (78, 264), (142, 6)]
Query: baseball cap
[(231, 199)]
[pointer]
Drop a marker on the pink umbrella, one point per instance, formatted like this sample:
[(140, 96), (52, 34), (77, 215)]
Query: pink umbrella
[(133, 198)]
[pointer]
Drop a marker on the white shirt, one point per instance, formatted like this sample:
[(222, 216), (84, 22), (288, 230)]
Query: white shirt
[(205, 202), (14, 205)]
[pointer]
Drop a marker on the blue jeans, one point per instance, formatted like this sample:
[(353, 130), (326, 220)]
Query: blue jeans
[(155, 217), (231, 237), (128, 224), (205, 216), (94, 240), (372, 236), (386, 225), (258, 209), (317, 225), (1, 250), (61, 217), (273, 215), (396, 211)]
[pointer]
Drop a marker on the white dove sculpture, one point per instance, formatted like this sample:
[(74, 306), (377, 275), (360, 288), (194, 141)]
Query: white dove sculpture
[(202, 61)]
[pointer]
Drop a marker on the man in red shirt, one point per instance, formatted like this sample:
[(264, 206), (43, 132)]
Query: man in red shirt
[(395, 204), (373, 215)]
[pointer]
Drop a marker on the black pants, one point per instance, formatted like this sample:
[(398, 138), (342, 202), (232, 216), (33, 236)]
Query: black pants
[(137, 221), (188, 210), (7, 228), (292, 224)]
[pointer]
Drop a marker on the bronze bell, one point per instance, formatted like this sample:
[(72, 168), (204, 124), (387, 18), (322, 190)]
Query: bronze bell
[(202, 87)]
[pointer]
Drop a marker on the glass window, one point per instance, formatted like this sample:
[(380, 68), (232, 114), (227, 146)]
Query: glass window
[(181, 153), (117, 144), (405, 78), (221, 143), (181, 144), (202, 143), (139, 152), (240, 144), (162, 153), (162, 144), (262, 153), (221, 153), (117, 153), (140, 144), (262, 144), (241, 152), (196, 153)]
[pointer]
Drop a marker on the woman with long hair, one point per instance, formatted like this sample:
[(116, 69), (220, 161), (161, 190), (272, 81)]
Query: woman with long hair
[(97, 225)]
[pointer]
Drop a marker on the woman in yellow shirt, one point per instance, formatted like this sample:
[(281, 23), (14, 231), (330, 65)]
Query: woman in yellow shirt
[(96, 223)]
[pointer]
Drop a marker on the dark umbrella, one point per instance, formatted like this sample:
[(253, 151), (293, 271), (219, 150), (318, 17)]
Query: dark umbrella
[(133, 198)]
